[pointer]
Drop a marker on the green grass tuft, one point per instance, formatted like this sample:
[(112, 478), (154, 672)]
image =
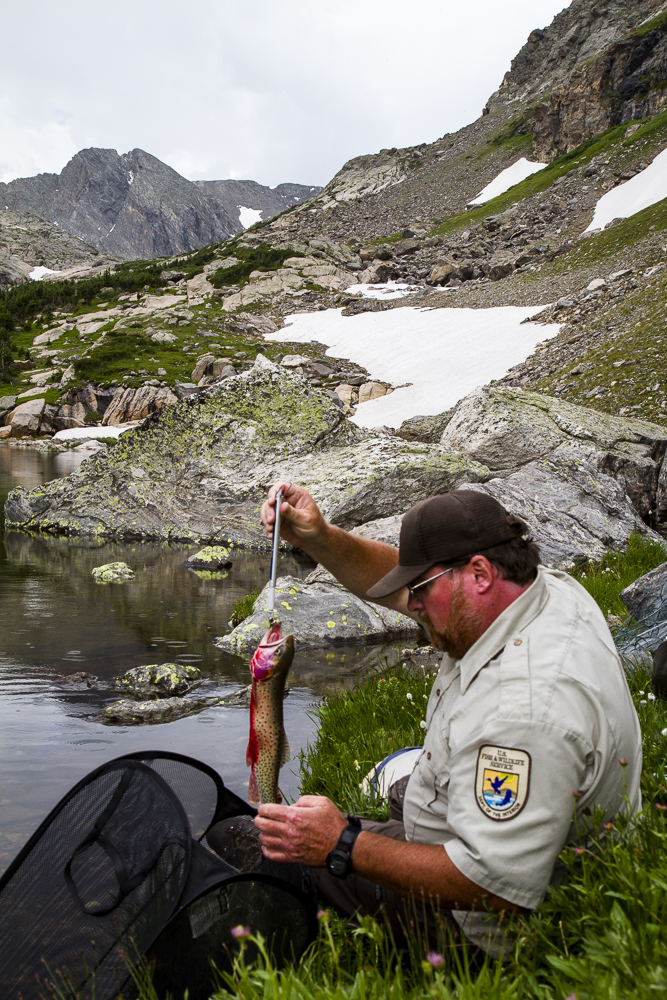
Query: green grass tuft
[(605, 580), (243, 607)]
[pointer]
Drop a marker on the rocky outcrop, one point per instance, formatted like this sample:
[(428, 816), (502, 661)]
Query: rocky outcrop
[(319, 614), (199, 470), (508, 428), (134, 404), (27, 242), (591, 68)]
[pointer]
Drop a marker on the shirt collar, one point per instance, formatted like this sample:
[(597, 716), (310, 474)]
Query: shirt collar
[(514, 618)]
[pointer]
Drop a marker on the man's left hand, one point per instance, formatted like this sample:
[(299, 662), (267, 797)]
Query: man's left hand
[(303, 833)]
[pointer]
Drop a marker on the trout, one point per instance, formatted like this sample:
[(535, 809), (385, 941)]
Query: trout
[(268, 748)]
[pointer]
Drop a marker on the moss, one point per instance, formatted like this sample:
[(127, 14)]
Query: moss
[(243, 608)]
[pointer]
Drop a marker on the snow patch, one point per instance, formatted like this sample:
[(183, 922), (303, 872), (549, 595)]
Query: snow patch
[(38, 273), (248, 216), (444, 353), (76, 433), (644, 189), (387, 290), (506, 179), (130, 177)]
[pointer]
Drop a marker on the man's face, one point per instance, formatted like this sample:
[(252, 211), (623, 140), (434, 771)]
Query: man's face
[(448, 609)]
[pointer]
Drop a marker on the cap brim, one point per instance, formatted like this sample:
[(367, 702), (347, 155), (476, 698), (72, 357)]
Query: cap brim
[(396, 579)]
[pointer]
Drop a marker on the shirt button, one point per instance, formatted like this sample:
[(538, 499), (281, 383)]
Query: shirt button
[(438, 692), (428, 755), (517, 642)]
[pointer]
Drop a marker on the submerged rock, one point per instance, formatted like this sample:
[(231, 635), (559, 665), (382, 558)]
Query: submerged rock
[(158, 681), (319, 614), (114, 572), (133, 713)]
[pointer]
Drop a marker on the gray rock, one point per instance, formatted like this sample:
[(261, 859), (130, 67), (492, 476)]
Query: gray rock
[(574, 511), (506, 428), (8, 402), (208, 461), (114, 572), (26, 418), (185, 389), (138, 713), (319, 614), (163, 680), (427, 429), (646, 598)]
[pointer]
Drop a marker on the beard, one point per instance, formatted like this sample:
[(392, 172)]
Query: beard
[(463, 629)]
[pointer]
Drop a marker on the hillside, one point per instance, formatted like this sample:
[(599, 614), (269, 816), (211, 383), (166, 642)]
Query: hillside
[(233, 195), (405, 216)]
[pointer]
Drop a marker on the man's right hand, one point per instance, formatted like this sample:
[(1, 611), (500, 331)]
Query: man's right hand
[(301, 521)]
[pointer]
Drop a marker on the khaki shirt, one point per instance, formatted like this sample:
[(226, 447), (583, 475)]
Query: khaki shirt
[(537, 709)]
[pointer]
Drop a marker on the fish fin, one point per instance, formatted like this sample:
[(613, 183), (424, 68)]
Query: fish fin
[(253, 790), (286, 755)]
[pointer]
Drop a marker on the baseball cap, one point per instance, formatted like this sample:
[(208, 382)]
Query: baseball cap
[(442, 528)]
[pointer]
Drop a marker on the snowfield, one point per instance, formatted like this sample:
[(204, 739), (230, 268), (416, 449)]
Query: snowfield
[(506, 179), (38, 273), (444, 353), (644, 189), (249, 216)]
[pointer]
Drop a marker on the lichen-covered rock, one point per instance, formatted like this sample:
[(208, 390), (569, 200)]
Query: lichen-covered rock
[(319, 614), (506, 428), (133, 404), (137, 713), (574, 511), (211, 557), (198, 471), (163, 680), (114, 572)]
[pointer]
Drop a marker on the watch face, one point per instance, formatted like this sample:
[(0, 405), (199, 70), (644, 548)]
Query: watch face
[(337, 863)]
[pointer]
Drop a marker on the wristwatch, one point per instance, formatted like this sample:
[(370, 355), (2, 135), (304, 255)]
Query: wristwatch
[(339, 861)]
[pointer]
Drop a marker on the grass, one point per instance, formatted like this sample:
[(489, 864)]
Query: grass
[(605, 580), (243, 607), (260, 258)]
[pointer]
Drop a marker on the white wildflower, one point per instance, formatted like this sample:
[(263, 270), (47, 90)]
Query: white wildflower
[(356, 764), (643, 701), (651, 696), (422, 725), (409, 696), (663, 732)]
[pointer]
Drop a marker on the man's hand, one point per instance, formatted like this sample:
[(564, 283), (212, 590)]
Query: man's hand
[(301, 520), (303, 833)]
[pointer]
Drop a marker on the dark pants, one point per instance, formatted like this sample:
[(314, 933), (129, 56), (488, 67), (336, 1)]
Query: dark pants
[(407, 918)]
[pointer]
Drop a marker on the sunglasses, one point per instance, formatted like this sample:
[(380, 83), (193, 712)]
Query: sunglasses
[(416, 587)]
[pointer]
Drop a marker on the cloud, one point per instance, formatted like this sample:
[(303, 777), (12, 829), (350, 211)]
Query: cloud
[(267, 91)]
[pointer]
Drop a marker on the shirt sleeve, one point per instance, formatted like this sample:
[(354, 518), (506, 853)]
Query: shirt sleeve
[(511, 804)]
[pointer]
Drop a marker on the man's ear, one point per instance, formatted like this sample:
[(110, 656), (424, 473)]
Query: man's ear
[(483, 573)]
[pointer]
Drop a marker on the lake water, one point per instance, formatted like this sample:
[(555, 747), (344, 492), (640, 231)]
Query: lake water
[(55, 621)]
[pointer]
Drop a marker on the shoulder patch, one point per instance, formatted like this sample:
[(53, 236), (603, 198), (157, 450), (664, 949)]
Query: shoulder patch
[(502, 781)]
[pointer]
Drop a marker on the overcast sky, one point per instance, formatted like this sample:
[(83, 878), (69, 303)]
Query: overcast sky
[(272, 90)]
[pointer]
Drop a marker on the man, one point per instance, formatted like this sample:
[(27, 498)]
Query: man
[(530, 712)]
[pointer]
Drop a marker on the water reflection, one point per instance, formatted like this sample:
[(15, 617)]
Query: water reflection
[(55, 621)]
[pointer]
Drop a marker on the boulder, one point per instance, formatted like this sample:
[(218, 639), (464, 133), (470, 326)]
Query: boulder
[(133, 404), (203, 361), (500, 268), (646, 600), (138, 713), (443, 271), (26, 418), (426, 429), (505, 428), (210, 557), (8, 402), (379, 272), (574, 511), (163, 680), (114, 572), (207, 461), (163, 337), (371, 390), (319, 614)]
